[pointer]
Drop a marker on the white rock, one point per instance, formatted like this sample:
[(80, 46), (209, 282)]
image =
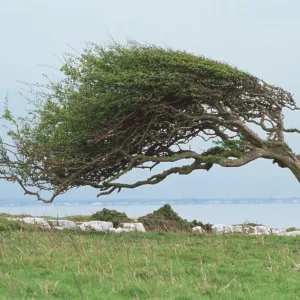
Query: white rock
[(259, 230), (293, 233), (37, 221), (96, 226), (128, 226), (240, 229), (120, 229), (58, 228), (198, 229), (133, 227), (221, 229), (64, 224), (237, 229), (279, 232)]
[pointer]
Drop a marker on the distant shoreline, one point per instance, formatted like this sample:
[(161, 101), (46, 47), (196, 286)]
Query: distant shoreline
[(258, 201)]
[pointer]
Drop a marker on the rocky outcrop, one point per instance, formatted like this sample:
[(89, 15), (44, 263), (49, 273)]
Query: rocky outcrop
[(279, 232), (242, 229), (259, 230), (63, 224), (118, 230), (33, 221), (252, 230), (128, 227), (198, 229), (221, 229), (293, 233), (133, 227), (96, 226), (102, 226)]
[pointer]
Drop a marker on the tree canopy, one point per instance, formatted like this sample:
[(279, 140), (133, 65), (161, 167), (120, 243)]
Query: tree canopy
[(122, 107)]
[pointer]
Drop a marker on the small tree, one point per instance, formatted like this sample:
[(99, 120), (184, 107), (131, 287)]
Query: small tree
[(123, 107)]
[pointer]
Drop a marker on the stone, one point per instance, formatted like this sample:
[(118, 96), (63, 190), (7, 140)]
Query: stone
[(293, 233), (134, 227), (96, 226), (63, 224), (198, 229), (242, 229), (36, 221), (120, 229), (58, 228), (221, 229), (259, 230), (280, 232)]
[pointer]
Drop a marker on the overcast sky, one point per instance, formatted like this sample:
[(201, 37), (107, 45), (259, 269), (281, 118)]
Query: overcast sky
[(261, 37)]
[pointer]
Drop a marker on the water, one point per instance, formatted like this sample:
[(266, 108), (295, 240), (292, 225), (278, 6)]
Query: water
[(273, 215)]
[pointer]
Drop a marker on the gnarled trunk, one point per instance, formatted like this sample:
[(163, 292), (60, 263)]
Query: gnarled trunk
[(289, 161)]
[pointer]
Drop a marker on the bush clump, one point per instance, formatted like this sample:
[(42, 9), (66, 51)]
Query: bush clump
[(291, 229), (166, 219), (111, 215)]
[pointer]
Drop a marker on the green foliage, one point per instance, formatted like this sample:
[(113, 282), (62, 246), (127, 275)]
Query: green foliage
[(103, 85), (119, 107), (238, 145), (291, 229), (166, 219), (251, 224), (111, 215)]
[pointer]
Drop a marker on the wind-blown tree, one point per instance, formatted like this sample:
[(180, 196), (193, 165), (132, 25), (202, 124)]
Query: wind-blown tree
[(123, 107)]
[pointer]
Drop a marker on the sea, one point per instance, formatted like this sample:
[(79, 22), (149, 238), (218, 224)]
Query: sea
[(276, 215)]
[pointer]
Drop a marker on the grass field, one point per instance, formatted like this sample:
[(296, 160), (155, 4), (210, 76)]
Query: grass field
[(37, 264)]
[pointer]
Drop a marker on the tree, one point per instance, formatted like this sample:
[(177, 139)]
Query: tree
[(122, 107)]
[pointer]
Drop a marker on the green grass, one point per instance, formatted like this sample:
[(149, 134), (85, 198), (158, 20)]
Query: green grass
[(36, 264)]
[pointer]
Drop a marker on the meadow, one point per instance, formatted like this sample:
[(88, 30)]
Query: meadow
[(40, 264)]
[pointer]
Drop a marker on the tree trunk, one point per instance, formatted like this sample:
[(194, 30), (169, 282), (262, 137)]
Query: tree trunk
[(296, 170)]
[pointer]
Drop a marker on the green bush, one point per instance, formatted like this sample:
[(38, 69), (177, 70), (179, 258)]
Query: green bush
[(164, 219), (110, 215), (291, 229), (251, 224)]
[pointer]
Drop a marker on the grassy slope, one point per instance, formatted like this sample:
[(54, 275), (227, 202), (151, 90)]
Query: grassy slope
[(69, 265)]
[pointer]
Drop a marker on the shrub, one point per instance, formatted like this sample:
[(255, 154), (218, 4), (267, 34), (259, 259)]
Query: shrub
[(291, 229), (166, 219), (110, 215)]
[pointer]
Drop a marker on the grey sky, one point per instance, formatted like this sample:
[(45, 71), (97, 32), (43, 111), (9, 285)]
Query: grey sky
[(261, 37)]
